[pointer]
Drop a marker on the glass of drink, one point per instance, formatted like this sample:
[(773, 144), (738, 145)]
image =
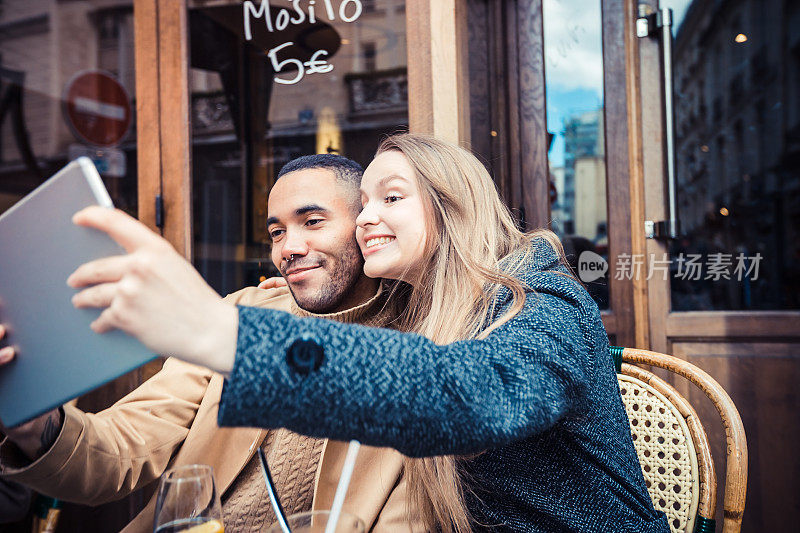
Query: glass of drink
[(188, 501), (317, 522)]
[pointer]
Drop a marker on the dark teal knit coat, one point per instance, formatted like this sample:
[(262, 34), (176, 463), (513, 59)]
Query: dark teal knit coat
[(538, 397)]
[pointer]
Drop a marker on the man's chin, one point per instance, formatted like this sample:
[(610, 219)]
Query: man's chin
[(311, 298)]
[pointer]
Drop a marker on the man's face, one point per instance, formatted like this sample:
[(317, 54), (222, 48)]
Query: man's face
[(311, 221)]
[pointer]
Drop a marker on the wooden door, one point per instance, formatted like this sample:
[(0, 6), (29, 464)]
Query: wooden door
[(737, 122), (556, 143)]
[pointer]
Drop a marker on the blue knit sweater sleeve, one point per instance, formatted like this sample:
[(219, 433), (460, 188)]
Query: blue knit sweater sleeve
[(401, 390)]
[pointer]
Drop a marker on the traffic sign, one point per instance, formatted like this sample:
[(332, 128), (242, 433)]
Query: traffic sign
[(97, 108)]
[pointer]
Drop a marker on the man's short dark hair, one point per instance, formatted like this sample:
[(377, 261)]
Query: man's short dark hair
[(348, 173), (346, 170)]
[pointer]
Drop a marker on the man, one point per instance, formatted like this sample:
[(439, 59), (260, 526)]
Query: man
[(171, 419)]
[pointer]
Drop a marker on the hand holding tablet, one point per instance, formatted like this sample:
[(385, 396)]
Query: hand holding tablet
[(56, 356), (154, 294)]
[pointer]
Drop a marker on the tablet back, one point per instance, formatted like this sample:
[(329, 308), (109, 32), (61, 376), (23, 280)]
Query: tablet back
[(58, 355)]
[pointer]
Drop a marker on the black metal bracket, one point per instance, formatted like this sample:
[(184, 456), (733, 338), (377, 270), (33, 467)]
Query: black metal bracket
[(159, 211)]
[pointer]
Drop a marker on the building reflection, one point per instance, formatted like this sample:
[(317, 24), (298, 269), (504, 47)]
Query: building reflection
[(584, 198), (245, 127), (737, 83), (575, 116), (43, 45)]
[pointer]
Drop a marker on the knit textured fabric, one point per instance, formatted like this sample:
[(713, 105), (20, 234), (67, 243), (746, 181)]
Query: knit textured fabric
[(293, 460), (538, 398), (375, 312)]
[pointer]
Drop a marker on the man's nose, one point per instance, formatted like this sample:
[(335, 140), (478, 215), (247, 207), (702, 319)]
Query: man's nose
[(293, 245)]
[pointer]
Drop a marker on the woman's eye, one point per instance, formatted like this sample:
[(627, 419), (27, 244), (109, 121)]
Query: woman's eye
[(392, 198)]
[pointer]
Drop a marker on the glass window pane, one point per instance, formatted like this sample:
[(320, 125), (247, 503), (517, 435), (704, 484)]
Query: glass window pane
[(737, 111), (574, 82), (66, 90), (307, 81)]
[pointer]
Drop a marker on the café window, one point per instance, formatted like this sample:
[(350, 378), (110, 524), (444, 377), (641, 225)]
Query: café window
[(573, 52), (271, 82), (736, 99), (67, 90)]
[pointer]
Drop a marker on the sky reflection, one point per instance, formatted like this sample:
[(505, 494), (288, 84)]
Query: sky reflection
[(574, 61)]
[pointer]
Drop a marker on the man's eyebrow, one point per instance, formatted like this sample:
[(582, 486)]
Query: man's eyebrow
[(300, 211), (311, 208)]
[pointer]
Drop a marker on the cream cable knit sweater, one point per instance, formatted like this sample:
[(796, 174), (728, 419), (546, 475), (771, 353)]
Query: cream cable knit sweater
[(293, 459)]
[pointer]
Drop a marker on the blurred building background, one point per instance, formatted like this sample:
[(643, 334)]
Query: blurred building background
[(43, 45), (737, 84)]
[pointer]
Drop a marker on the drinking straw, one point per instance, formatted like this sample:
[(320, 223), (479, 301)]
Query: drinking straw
[(273, 493), (344, 482)]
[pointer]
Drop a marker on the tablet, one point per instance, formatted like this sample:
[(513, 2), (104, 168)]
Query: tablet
[(58, 356)]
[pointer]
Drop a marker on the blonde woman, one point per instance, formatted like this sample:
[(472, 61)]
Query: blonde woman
[(502, 392)]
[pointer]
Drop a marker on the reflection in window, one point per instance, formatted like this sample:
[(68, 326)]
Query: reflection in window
[(738, 166), (574, 76), (248, 121), (44, 47), (369, 51)]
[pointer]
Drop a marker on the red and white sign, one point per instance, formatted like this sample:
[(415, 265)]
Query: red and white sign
[(97, 108)]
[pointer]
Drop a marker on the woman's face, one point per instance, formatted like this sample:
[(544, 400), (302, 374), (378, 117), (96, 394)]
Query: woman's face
[(391, 228)]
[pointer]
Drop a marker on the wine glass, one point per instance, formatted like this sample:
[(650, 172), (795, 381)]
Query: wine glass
[(188, 501)]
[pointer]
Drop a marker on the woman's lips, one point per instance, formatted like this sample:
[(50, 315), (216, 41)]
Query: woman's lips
[(299, 274), (378, 243)]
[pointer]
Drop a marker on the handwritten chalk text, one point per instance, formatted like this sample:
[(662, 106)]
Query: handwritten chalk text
[(349, 11)]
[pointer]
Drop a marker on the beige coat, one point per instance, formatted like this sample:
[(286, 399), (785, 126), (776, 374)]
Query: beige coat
[(171, 420)]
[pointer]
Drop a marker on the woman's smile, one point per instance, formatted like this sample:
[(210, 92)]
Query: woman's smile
[(377, 243)]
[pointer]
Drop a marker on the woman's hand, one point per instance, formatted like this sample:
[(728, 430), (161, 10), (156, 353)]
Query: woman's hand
[(154, 294), (272, 283)]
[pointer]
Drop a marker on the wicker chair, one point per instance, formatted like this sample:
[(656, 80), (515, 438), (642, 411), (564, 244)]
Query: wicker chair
[(672, 444)]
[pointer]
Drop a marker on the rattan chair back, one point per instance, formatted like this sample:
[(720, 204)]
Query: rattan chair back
[(673, 447), (665, 448)]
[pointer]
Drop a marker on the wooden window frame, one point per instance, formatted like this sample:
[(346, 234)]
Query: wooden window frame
[(627, 319), (163, 118), (437, 36)]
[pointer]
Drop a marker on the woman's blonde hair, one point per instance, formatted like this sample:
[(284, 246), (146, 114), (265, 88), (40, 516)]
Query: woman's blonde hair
[(470, 233)]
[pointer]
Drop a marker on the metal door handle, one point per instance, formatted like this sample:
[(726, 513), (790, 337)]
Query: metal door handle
[(659, 23)]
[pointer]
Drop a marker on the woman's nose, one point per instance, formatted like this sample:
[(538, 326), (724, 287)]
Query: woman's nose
[(367, 216)]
